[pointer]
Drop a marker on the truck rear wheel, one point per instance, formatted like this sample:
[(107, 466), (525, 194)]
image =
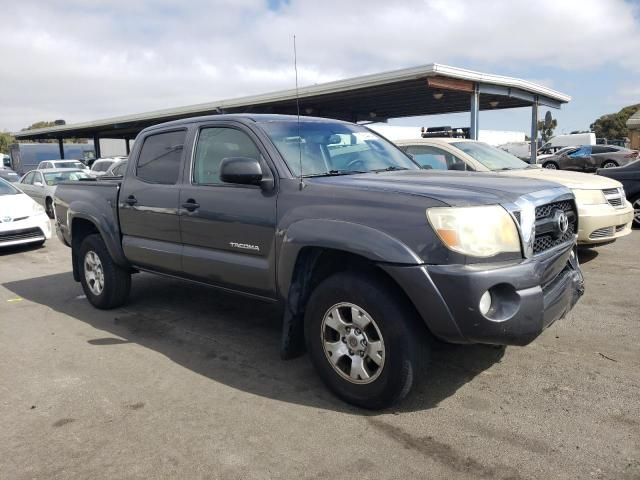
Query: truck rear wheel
[(105, 284), (363, 339)]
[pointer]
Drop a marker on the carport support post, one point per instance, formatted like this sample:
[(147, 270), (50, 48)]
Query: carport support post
[(534, 132), (475, 113), (61, 147), (96, 145)]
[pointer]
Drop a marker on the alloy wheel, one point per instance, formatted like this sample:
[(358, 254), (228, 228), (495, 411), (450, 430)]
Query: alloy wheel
[(93, 272), (352, 343)]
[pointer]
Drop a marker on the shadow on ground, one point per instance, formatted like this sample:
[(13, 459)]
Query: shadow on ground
[(233, 340), (585, 255)]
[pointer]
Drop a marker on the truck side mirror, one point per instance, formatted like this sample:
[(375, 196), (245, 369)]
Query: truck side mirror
[(241, 170)]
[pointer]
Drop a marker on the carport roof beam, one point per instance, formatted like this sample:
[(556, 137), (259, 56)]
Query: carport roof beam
[(398, 93)]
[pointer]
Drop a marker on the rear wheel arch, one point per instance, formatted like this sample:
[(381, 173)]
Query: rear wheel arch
[(81, 228)]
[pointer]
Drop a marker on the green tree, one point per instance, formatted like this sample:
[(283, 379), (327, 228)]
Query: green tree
[(547, 133), (613, 125), (6, 139)]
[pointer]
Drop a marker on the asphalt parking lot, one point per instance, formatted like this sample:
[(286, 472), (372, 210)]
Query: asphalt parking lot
[(186, 382)]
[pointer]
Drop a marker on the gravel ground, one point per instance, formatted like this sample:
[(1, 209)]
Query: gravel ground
[(186, 382)]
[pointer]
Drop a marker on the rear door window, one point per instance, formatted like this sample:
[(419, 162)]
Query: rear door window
[(160, 157)]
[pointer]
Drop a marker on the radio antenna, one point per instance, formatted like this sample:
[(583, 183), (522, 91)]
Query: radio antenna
[(295, 67)]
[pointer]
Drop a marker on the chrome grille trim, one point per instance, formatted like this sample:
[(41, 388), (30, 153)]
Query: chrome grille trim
[(602, 232), (615, 197), (531, 209)]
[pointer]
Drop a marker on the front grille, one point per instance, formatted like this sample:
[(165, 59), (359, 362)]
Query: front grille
[(546, 210), (23, 234), (602, 232), (614, 196), (546, 233)]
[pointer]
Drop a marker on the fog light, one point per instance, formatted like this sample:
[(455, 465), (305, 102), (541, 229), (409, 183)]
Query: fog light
[(485, 303)]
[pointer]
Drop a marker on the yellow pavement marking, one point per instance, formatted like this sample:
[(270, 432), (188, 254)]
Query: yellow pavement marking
[(11, 300)]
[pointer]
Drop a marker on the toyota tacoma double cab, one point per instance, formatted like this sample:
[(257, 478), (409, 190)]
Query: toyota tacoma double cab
[(368, 255)]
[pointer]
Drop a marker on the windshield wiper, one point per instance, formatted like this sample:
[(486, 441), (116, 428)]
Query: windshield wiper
[(392, 168), (334, 173)]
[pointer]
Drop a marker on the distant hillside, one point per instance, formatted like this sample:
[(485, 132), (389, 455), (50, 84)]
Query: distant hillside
[(613, 125)]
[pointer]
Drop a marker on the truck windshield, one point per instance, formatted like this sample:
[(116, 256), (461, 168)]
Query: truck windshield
[(490, 157), (332, 148), (57, 177)]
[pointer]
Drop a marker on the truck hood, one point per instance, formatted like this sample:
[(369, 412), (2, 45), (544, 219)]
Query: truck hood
[(452, 188), (575, 180)]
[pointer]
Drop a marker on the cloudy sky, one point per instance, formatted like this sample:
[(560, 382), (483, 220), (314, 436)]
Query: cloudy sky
[(83, 60)]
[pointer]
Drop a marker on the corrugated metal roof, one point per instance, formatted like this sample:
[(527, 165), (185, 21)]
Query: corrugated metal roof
[(390, 94), (634, 120)]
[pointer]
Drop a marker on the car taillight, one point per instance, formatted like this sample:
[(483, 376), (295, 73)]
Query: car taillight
[(632, 155)]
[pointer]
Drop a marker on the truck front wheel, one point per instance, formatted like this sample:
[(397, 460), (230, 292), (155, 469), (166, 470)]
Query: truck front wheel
[(363, 339), (105, 284)]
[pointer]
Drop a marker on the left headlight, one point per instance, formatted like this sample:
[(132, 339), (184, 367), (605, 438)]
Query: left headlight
[(37, 208), (482, 231)]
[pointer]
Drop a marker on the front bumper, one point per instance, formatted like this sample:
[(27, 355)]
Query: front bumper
[(529, 296), (36, 228), (603, 223)]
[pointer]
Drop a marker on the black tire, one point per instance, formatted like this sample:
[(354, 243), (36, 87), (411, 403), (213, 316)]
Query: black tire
[(609, 164), (405, 339), (551, 165), (116, 283), (49, 208)]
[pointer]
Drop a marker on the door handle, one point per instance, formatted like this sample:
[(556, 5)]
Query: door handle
[(191, 205), (131, 200)]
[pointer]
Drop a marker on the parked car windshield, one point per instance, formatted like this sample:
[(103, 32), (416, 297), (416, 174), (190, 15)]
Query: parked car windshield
[(74, 164), (7, 189), (332, 148), (55, 178), (491, 157)]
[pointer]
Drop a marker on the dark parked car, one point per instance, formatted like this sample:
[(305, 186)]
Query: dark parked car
[(9, 175), (366, 254), (629, 176), (588, 158)]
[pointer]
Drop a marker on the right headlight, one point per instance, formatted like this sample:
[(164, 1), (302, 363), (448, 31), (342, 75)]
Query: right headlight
[(482, 231), (589, 197)]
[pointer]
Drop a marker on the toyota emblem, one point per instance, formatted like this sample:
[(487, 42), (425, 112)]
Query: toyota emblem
[(5, 219), (562, 222)]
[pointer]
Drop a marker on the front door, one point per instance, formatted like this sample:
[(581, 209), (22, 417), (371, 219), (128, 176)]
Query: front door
[(578, 160), (227, 230), (148, 203)]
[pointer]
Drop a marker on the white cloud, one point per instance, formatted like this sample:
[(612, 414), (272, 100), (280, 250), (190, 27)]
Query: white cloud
[(81, 60)]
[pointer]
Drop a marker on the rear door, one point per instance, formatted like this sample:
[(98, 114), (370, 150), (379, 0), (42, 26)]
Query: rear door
[(148, 203), (228, 230)]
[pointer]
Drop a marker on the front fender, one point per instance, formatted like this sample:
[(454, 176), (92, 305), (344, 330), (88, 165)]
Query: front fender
[(349, 237)]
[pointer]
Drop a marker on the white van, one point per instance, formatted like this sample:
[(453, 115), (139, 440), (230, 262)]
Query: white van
[(522, 150), (561, 141)]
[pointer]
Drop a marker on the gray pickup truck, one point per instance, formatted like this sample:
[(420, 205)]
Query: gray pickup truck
[(369, 256)]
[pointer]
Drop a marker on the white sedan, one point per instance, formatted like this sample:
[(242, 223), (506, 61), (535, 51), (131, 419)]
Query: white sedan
[(22, 220)]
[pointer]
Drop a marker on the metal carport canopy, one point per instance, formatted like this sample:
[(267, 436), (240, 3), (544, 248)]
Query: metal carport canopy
[(425, 90)]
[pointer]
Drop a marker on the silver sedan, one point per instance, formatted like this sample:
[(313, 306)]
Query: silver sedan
[(41, 184)]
